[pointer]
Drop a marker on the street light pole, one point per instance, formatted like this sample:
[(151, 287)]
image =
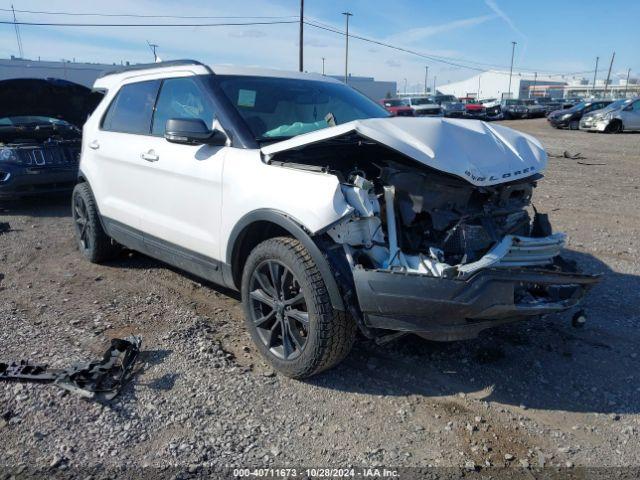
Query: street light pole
[(405, 86), (606, 84), (513, 49), (535, 80), (300, 48), (626, 85), (346, 51), (595, 72), (323, 65), (434, 84), (426, 75)]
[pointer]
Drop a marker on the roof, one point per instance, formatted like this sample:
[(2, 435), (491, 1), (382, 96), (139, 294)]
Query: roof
[(158, 70)]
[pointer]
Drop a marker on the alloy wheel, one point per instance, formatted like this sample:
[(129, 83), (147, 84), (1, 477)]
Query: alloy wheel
[(278, 309)]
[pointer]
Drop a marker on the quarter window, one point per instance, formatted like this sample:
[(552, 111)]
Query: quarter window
[(181, 98), (132, 108)]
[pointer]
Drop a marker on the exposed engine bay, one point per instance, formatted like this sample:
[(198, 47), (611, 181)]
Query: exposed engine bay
[(416, 219)]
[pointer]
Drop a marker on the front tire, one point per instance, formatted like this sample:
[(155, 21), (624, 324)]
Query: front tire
[(574, 125), (288, 311), (94, 244), (614, 127)]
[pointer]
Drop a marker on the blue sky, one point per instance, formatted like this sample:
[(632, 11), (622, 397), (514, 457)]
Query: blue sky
[(552, 36)]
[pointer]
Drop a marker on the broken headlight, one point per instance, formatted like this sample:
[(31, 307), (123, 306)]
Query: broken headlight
[(8, 155)]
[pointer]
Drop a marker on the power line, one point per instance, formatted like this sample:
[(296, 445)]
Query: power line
[(436, 58), (133, 15), (225, 24)]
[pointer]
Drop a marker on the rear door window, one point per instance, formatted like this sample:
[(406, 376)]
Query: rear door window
[(181, 98), (132, 108)]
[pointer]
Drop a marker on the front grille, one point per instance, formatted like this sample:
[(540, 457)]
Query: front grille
[(48, 156), (404, 114), (429, 111)]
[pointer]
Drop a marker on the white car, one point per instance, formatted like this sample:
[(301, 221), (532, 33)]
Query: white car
[(423, 106), (620, 116), (327, 214)]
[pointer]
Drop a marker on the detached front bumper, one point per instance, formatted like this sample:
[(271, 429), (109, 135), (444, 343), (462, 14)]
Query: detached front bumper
[(21, 181), (451, 309)]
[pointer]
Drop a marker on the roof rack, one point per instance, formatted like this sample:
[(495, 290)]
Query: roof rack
[(149, 66)]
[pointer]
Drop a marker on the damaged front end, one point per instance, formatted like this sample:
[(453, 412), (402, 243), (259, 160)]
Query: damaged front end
[(430, 252)]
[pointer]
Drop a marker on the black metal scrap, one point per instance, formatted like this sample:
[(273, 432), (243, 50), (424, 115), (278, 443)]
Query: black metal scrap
[(102, 378), (4, 227)]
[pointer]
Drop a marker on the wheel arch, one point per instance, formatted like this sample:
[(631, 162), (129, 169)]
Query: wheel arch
[(260, 225)]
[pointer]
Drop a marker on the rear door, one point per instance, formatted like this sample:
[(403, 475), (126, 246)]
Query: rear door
[(182, 188), (118, 171)]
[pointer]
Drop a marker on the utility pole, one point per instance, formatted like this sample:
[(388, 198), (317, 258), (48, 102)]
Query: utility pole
[(626, 85), (323, 65), (594, 76), (434, 84), (153, 47), (426, 75), (346, 51), (18, 39), (535, 80), (606, 84), (405, 86), (300, 51), (513, 49), (479, 85)]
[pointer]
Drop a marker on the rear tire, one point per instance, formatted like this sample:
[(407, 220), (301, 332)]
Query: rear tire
[(94, 244), (288, 311)]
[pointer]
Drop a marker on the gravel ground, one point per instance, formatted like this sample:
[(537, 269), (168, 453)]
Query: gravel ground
[(540, 393)]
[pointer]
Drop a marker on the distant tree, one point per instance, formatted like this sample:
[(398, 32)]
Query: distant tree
[(388, 95)]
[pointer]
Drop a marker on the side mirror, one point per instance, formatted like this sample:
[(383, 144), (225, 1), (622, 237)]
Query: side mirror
[(192, 131)]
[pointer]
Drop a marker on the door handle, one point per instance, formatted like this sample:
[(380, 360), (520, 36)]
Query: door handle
[(94, 145), (150, 156)]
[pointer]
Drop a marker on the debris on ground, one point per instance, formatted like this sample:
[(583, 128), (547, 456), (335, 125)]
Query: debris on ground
[(591, 164), (4, 227), (567, 154), (102, 378)]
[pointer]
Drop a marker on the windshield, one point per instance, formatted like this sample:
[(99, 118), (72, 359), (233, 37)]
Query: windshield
[(420, 101), (32, 121), (513, 102), (617, 104), (578, 106), (279, 108), (394, 102), (445, 99)]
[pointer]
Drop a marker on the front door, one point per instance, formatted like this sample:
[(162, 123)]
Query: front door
[(631, 117), (182, 186)]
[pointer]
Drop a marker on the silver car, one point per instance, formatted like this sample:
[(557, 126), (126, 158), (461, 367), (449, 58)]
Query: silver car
[(620, 116)]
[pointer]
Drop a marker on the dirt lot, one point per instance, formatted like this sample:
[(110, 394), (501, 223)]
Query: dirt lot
[(526, 395)]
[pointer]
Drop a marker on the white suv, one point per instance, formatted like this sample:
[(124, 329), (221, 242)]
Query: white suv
[(325, 213)]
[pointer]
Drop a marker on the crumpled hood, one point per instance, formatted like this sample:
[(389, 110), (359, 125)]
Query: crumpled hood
[(481, 153), (49, 97)]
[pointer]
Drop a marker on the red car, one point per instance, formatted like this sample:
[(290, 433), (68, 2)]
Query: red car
[(397, 107), (473, 108)]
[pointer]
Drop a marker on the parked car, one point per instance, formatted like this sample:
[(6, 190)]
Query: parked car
[(473, 108), (40, 133), (319, 207), (513, 108), (570, 118), (534, 109), (619, 116), (424, 106), (451, 107), (397, 107), (493, 108)]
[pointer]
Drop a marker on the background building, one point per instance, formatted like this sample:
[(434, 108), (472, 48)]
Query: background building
[(86, 73), (495, 84), (369, 86), (81, 73)]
